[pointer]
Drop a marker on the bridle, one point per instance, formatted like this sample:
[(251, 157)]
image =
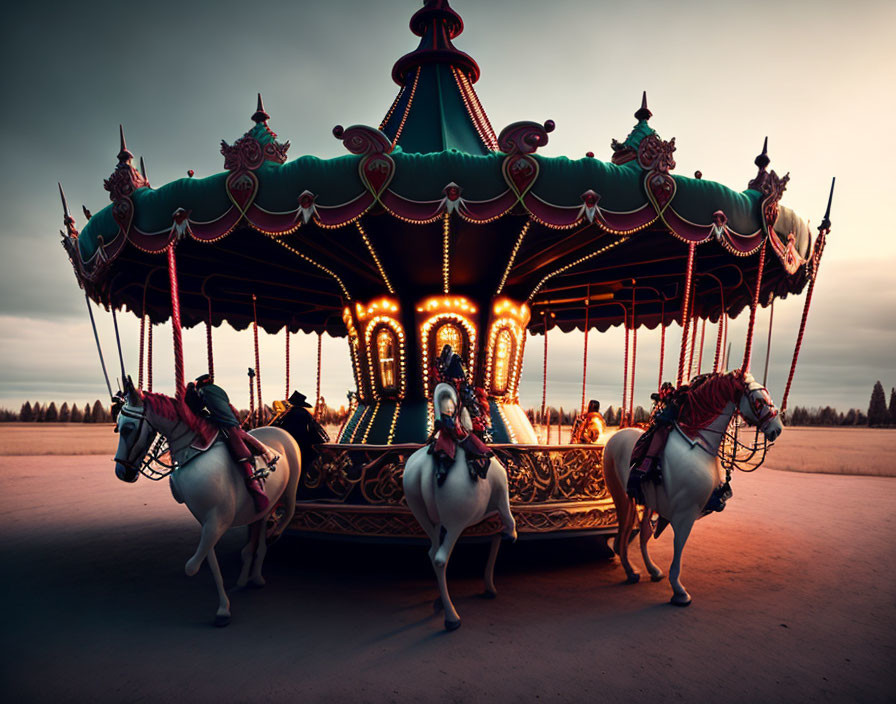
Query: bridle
[(159, 446), (748, 457), (732, 452), (762, 406)]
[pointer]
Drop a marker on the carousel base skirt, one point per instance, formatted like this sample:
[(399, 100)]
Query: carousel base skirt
[(355, 492)]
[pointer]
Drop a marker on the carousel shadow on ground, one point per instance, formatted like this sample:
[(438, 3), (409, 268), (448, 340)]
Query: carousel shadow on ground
[(391, 561)]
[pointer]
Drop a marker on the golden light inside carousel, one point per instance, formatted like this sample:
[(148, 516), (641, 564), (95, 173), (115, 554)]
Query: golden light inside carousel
[(383, 305), (456, 304), (386, 358), (504, 352)]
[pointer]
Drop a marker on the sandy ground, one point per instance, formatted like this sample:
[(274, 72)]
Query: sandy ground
[(793, 602), (869, 451), (67, 438)]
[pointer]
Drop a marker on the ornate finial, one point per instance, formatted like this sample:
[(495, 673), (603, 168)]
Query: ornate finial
[(762, 161), (124, 154), (698, 174), (143, 168), (763, 178), (436, 24), (260, 115), (67, 219), (64, 202), (826, 220), (643, 113), (87, 213)]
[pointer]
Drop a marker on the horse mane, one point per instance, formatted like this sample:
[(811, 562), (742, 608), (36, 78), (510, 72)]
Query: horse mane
[(707, 396), (177, 410)]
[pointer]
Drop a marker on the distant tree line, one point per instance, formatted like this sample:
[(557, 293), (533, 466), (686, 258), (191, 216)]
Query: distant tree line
[(51, 413), (96, 412), (880, 414)]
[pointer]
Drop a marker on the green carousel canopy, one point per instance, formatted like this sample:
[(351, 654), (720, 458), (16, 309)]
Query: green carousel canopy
[(431, 203)]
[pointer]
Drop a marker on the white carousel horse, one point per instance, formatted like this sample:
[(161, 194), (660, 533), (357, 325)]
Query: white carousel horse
[(210, 483), (690, 471), (461, 501)]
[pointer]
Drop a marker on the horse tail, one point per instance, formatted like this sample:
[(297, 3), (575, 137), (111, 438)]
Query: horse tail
[(613, 479), (291, 458), (294, 458)]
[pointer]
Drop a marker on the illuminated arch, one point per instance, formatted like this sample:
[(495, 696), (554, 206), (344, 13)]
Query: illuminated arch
[(428, 332), (506, 333), (372, 339)]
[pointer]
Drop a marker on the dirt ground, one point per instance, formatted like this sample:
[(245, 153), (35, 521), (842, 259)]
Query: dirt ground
[(793, 602)]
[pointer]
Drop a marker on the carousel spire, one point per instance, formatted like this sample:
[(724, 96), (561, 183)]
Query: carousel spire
[(260, 116), (437, 108), (643, 113)]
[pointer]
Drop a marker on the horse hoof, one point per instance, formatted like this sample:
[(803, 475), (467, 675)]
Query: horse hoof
[(256, 585), (222, 620), (452, 625), (437, 604), (677, 600), (656, 577), (633, 578), (489, 594)]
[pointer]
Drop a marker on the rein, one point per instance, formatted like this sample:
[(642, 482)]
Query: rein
[(733, 453), (160, 447)]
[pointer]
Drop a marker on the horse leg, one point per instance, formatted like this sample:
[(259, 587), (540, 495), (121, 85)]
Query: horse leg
[(213, 527), (490, 591), (247, 552), (656, 574), (503, 508), (682, 528), (260, 551), (625, 514), (439, 564), (222, 615)]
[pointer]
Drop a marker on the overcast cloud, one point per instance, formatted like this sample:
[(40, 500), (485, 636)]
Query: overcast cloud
[(182, 76)]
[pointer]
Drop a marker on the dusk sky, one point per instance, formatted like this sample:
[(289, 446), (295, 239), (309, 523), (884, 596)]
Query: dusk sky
[(815, 77)]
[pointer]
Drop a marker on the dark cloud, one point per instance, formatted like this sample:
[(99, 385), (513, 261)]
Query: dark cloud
[(181, 76)]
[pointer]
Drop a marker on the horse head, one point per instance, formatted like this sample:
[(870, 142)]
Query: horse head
[(757, 407), (445, 402), (135, 435)]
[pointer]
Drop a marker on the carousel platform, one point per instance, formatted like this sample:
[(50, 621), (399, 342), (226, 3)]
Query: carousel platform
[(355, 492)]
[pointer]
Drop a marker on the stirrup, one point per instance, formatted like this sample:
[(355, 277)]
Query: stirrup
[(261, 473)]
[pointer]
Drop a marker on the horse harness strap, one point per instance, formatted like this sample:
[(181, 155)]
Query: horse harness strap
[(699, 441)]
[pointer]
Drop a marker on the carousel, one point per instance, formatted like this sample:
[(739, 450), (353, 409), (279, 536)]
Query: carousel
[(435, 230)]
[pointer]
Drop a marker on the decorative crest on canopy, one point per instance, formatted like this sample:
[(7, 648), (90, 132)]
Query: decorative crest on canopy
[(627, 150), (122, 184)]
